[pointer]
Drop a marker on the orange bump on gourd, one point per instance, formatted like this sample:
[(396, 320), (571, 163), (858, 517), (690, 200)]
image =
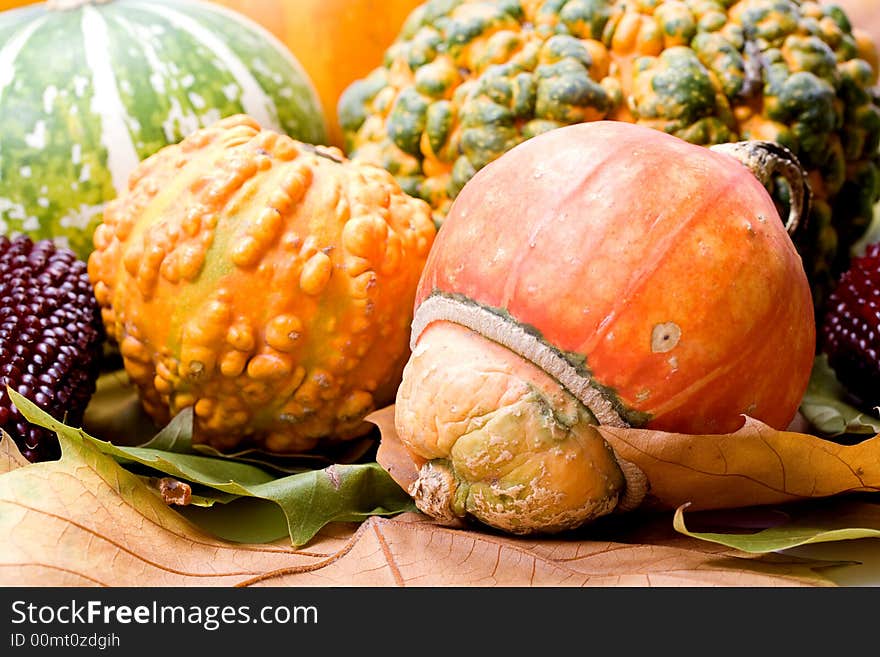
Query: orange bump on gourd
[(598, 273), (223, 274)]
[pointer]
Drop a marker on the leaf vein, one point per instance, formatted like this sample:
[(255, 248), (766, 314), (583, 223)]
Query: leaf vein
[(53, 567), (389, 557), (94, 534)]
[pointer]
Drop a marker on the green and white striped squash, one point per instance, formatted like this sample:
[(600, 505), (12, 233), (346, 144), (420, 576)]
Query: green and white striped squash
[(89, 89)]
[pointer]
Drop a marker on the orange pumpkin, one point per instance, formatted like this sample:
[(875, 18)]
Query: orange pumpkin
[(336, 41), (598, 273), (12, 4)]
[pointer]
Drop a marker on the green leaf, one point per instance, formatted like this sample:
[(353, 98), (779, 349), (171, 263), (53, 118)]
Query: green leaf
[(176, 436), (115, 414), (825, 407), (242, 520), (348, 452), (780, 528), (309, 500), (203, 501)]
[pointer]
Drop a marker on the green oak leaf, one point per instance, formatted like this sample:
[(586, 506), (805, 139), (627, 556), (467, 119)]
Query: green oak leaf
[(762, 530), (309, 500), (115, 414)]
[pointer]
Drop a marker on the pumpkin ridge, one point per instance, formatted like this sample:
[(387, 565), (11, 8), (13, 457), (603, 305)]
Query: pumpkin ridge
[(659, 251), (562, 202), (526, 342)]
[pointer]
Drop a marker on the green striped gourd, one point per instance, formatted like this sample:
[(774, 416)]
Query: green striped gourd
[(89, 89)]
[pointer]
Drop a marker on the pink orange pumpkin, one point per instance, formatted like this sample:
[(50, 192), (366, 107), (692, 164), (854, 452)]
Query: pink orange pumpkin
[(601, 273)]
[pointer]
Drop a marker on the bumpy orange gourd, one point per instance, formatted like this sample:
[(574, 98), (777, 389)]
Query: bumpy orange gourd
[(266, 283), (599, 273), (336, 41)]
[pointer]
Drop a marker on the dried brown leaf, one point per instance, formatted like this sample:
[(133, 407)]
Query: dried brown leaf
[(753, 466), (86, 521), (10, 456), (392, 455), (411, 551)]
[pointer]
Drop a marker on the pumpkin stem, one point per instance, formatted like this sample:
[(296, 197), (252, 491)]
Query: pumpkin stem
[(636, 488), (768, 159)]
